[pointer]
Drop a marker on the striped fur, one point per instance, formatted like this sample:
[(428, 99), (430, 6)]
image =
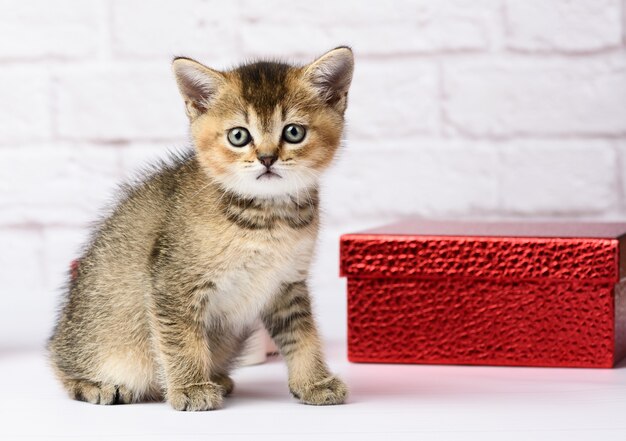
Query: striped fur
[(290, 323), (174, 279), (254, 214)]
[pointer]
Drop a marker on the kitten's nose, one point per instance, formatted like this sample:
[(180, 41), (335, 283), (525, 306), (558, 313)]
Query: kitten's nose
[(267, 160)]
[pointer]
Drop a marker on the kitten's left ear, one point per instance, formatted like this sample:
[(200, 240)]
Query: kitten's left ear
[(331, 75), (197, 83)]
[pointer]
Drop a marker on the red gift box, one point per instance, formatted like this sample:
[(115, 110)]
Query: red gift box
[(518, 294)]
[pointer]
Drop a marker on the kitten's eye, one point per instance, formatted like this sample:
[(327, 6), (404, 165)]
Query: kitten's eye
[(239, 136), (294, 133)]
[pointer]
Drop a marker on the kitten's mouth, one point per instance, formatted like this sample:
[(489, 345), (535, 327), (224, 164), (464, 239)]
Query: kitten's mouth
[(268, 174)]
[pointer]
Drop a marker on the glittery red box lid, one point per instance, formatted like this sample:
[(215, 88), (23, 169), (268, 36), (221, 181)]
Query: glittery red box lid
[(529, 250)]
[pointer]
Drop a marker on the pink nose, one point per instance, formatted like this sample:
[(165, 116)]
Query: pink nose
[(267, 160)]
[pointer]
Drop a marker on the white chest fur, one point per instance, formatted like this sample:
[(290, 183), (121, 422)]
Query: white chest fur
[(252, 275)]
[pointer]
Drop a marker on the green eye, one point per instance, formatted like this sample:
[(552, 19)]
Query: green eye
[(294, 133), (239, 136)]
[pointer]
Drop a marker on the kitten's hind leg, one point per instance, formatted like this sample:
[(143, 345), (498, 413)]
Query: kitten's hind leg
[(227, 383), (226, 349), (98, 393)]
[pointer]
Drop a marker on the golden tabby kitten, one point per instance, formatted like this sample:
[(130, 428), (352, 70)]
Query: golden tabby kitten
[(174, 279)]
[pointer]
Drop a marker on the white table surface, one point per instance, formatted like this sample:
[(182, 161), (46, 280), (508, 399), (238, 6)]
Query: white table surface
[(387, 402)]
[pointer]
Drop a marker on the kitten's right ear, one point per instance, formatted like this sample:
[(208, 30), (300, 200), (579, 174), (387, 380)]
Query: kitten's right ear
[(197, 83)]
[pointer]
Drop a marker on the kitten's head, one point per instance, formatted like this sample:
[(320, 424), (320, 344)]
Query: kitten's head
[(267, 129)]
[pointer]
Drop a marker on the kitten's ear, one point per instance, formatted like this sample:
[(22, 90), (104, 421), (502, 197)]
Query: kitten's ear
[(331, 75), (197, 83)]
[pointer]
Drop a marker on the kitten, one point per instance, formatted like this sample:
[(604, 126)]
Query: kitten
[(174, 279)]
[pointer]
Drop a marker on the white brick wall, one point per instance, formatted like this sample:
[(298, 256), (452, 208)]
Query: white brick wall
[(381, 28), (558, 176), (26, 109), (394, 99), (43, 30), (460, 108), (544, 97), (127, 103), (563, 25), (199, 28)]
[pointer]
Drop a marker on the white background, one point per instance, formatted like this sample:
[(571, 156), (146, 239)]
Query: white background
[(481, 109)]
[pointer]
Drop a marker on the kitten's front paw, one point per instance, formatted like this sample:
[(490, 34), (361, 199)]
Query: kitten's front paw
[(330, 390), (207, 396)]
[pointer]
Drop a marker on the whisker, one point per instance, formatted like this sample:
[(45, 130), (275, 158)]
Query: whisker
[(199, 191)]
